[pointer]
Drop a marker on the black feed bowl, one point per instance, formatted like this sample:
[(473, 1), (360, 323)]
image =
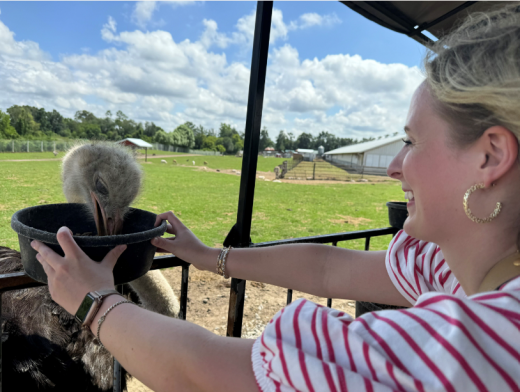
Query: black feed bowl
[(397, 213), (43, 222)]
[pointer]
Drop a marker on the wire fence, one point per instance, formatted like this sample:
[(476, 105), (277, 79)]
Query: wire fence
[(35, 145), (322, 170), (64, 145)]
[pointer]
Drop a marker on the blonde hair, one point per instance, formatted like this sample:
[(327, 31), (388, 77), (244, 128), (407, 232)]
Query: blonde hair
[(474, 74)]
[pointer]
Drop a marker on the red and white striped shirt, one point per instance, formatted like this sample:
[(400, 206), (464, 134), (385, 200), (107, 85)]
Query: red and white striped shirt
[(446, 342)]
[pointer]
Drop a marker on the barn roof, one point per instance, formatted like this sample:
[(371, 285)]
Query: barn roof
[(137, 142), (363, 147)]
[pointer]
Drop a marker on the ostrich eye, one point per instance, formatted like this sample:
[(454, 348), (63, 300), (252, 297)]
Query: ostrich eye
[(101, 188)]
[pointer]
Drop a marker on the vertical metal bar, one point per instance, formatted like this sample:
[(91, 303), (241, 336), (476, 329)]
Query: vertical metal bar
[(117, 376), (329, 300), (1, 339), (289, 296), (184, 291), (314, 172), (117, 365), (255, 102), (359, 309)]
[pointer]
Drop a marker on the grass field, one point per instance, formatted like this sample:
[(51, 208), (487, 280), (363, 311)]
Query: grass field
[(222, 162), (207, 201), (4, 156)]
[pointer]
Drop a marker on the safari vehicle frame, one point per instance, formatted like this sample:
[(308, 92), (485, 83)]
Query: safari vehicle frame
[(412, 18)]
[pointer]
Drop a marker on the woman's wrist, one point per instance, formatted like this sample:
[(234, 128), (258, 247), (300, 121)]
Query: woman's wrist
[(209, 259), (107, 302)]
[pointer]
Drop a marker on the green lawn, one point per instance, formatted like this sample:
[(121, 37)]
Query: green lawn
[(207, 201), (29, 155), (159, 152), (222, 162)]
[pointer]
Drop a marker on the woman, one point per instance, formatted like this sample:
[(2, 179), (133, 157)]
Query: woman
[(459, 169)]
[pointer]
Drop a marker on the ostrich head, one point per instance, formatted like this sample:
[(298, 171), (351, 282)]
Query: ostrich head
[(106, 178)]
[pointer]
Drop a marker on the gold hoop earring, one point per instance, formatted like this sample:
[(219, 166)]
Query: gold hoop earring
[(470, 215)]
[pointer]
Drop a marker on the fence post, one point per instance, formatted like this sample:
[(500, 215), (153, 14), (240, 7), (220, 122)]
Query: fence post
[(314, 172), (27, 146), (12, 144), (42, 145)]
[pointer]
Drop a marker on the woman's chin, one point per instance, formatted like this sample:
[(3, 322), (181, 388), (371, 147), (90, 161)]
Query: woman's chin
[(409, 226)]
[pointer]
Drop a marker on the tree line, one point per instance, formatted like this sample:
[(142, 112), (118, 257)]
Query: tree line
[(31, 123)]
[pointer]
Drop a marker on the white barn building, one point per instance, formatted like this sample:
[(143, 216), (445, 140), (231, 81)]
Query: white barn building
[(367, 158)]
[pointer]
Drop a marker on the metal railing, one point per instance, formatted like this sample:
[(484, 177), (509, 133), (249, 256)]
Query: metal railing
[(331, 239), (20, 280)]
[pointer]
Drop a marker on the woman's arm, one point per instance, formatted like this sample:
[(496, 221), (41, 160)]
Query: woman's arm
[(322, 270), (166, 354)]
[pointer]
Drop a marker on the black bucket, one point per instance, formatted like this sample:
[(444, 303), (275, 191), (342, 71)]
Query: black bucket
[(43, 222), (397, 213)]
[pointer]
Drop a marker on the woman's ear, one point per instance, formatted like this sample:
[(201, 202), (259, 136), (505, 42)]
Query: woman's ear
[(499, 147)]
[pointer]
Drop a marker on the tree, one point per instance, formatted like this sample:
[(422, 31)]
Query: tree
[(184, 136), (150, 129), (265, 140), (282, 140), (85, 116), (23, 121), (7, 131), (305, 140), (210, 143), (56, 122), (238, 143), (227, 130), (162, 138)]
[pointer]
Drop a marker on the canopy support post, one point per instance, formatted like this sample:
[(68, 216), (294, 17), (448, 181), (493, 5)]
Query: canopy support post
[(239, 236)]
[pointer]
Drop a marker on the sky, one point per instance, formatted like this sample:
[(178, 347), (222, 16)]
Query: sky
[(329, 69)]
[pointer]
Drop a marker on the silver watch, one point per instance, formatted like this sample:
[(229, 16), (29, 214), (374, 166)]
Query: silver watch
[(90, 305)]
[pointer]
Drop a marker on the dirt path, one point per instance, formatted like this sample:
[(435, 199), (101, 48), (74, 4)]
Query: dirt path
[(208, 299)]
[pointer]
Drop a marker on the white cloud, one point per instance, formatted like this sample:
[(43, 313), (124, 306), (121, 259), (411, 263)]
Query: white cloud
[(150, 77), (143, 12), (314, 19)]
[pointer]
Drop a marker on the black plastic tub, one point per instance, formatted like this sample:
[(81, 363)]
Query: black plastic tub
[(397, 213), (43, 222)]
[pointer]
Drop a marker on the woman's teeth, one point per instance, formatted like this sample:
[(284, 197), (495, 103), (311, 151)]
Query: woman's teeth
[(408, 195)]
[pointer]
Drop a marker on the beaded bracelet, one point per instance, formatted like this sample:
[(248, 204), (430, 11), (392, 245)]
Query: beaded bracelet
[(100, 321)]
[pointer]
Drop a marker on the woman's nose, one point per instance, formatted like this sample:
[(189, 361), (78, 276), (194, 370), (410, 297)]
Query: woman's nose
[(395, 169)]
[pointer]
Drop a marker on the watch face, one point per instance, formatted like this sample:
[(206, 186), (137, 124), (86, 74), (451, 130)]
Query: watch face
[(84, 308)]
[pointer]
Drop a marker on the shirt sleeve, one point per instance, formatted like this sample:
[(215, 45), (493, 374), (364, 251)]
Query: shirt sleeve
[(307, 347), (417, 267)]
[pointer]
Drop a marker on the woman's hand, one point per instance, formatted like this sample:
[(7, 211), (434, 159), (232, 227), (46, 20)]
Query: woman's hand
[(71, 277), (185, 244)]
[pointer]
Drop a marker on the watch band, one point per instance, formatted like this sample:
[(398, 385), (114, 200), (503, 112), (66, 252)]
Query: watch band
[(90, 306)]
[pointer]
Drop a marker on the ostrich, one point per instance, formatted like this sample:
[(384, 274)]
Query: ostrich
[(107, 179), (44, 348)]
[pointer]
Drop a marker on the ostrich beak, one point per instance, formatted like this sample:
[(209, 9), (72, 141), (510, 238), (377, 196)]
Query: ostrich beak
[(104, 225)]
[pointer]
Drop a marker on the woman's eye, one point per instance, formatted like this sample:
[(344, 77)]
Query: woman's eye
[(101, 188), (407, 141)]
